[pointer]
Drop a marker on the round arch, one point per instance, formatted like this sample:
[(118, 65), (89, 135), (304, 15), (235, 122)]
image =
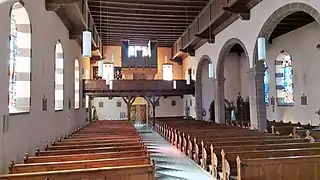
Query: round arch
[(284, 11), (224, 52), (205, 59), (220, 78)]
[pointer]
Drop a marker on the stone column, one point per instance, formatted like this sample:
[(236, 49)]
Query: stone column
[(219, 101), (260, 99), (258, 117), (215, 99), (253, 98), (198, 100)]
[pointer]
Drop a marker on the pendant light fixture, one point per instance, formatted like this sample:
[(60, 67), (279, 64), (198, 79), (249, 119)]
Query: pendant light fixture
[(86, 37), (262, 49), (211, 72)]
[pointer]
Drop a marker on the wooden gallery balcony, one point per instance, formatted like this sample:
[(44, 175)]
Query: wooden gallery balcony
[(121, 88)]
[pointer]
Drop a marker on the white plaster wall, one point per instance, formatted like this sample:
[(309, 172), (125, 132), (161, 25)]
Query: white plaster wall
[(186, 100), (28, 131), (244, 68), (236, 68), (301, 45), (166, 110), (247, 32), (232, 74), (111, 111), (207, 90)]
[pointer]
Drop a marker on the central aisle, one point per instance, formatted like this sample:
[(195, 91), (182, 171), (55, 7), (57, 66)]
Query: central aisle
[(170, 164)]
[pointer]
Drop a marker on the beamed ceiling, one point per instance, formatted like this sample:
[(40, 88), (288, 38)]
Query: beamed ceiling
[(143, 20)]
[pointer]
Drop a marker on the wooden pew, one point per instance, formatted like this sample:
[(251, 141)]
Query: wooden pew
[(79, 157), (94, 152), (285, 168), (226, 143), (121, 172)]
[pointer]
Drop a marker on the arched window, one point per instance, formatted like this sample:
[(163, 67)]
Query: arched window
[(58, 83), (76, 85), (20, 60), (266, 84), (284, 79)]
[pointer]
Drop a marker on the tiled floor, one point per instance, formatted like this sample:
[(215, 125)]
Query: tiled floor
[(170, 164)]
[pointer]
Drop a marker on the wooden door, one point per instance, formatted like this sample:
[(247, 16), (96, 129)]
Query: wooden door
[(133, 112), (143, 113)]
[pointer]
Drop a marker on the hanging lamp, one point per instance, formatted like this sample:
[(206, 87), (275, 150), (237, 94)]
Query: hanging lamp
[(86, 37)]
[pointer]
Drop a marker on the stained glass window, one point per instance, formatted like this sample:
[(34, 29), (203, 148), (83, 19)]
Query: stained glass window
[(76, 85), (59, 72), (19, 70), (266, 84), (284, 79), (12, 64)]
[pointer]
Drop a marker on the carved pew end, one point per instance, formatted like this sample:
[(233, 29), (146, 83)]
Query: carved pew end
[(37, 152), (46, 147), (26, 158), (53, 142), (11, 166)]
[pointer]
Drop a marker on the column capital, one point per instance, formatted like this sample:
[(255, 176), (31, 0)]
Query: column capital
[(221, 79), (251, 71), (260, 67)]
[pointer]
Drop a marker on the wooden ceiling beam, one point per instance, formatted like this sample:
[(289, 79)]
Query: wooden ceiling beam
[(166, 2), (142, 18), (125, 25), (140, 33), (53, 5), (138, 40), (120, 8), (138, 44), (147, 5), (133, 21), (111, 28), (143, 14)]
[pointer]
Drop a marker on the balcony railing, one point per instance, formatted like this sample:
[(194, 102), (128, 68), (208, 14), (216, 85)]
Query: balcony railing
[(137, 85)]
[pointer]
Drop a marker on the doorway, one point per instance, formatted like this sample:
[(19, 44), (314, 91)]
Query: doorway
[(139, 110)]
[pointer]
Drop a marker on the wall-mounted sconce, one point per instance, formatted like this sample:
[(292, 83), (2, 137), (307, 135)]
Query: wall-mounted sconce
[(318, 47), (44, 103)]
